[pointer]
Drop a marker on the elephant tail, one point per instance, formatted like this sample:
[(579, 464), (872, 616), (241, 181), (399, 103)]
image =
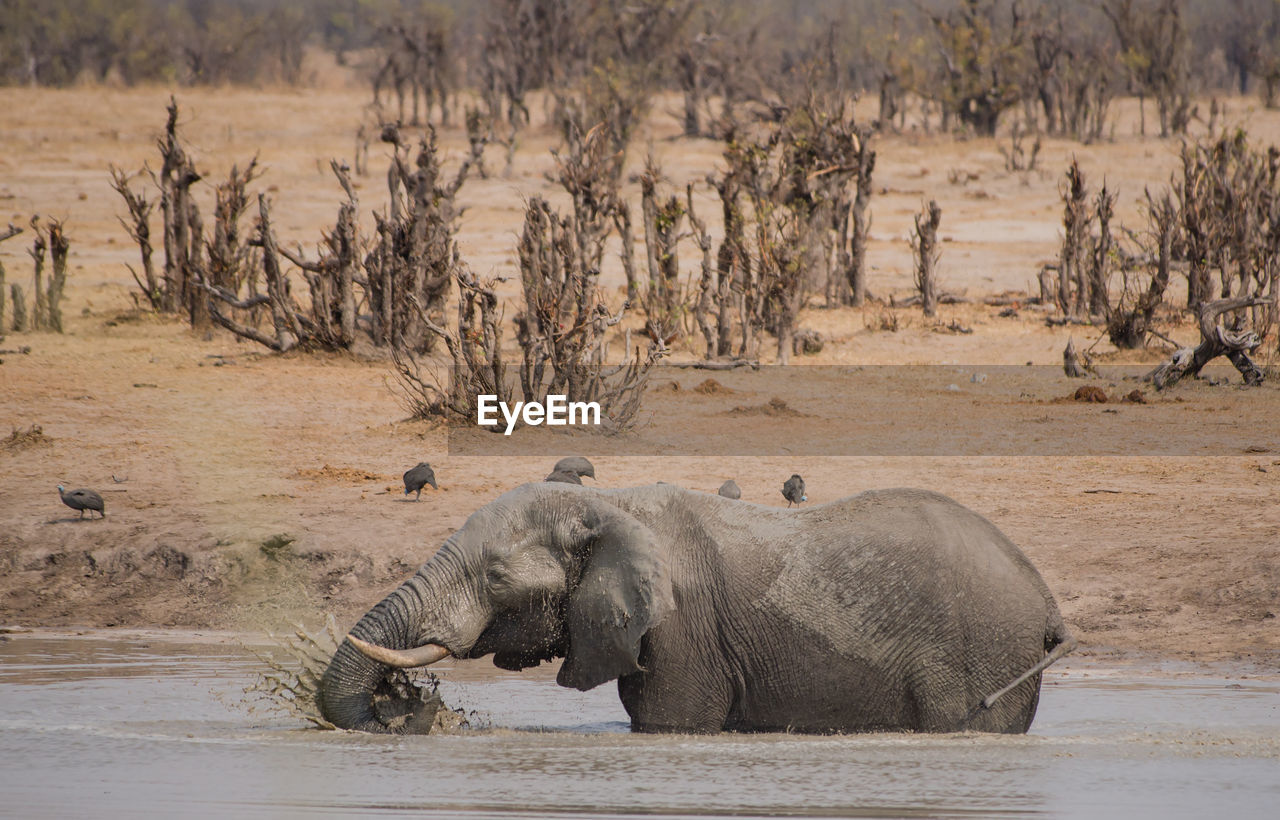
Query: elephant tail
[(1059, 642)]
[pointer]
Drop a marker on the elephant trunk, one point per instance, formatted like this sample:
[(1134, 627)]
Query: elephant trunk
[(394, 629), (346, 691), (347, 687)]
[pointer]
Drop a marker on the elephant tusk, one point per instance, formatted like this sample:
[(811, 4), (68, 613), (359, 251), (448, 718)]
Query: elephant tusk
[(401, 658)]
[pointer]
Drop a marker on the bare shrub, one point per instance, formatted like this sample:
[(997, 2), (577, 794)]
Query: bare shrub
[(1072, 288), (1016, 156), (562, 331), (139, 227), (49, 244), (564, 326), (1156, 51), (1073, 73), (924, 243), (332, 279), (1221, 215), (415, 62), (983, 60), (1228, 200), (9, 233), (793, 200), (474, 343), (662, 299), (177, 288), (415, 255)]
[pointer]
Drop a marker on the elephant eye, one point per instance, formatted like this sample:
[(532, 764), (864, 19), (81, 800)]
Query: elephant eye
[(497, 577), (524, 576)]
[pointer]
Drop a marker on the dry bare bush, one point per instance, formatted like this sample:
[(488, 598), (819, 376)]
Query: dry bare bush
[(794, 197), (332, 280), (1219, 220), (474, 343), (783, 234), (924, 243), (662, 298), (1092, 254), (415, 61), (982, 48), (1156, 51), (176, 287), (563, 329), (524, 48), (1016, 156), (1228, 201), (717, 73), (1131, 317), (18, 297), (404, 274), (1073, 73), (1072, 290), (49, 244), (415, 255)]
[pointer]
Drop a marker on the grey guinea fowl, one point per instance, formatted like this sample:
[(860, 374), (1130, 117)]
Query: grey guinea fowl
[(729, 489), (577, 465), (417, 478), (793, 490), (82, 500), (563, 477)]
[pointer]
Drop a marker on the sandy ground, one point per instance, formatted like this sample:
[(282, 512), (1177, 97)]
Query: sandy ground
[(247, 490)]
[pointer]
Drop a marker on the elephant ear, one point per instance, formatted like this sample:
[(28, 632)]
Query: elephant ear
[(624, 590)]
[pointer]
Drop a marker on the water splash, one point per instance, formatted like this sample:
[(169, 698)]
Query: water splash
[(295, 666)]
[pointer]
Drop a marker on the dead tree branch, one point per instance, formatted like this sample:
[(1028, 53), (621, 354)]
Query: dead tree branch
[(1215, 341)]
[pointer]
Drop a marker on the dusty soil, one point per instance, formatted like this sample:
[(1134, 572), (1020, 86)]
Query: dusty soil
[(245, 490)]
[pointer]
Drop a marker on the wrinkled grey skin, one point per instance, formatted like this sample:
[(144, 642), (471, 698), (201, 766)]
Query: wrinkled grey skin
[(894, 610)]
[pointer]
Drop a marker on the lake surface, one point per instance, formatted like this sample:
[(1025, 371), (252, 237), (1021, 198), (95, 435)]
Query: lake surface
[(157, 725)]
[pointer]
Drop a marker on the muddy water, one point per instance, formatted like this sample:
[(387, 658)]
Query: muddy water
[(156, 726)]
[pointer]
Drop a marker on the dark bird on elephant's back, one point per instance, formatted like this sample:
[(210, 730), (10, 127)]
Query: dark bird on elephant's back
[(417, 478), (577, 465), (82, 500), (729, 489), (793, 490)]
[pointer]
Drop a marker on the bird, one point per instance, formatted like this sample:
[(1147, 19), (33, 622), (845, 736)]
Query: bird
[(577, 465), (793, 490), (729, 489), (563, 477), (418, 477), (82, 500)]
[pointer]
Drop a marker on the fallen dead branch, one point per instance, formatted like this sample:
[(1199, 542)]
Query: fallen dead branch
[(1215, 340)]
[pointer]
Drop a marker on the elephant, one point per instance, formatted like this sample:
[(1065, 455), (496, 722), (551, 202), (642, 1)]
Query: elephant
[(891, 610)]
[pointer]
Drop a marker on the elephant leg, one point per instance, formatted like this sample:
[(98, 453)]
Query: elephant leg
[(655, 705)]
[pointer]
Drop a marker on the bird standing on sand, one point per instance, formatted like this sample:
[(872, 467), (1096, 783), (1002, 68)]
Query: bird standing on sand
[(417, 478), (729, 489), (577, 465), (82, 500), (563, 477), (793, 490)]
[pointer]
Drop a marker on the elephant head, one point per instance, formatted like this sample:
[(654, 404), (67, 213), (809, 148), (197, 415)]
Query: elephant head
[(544, 571)]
